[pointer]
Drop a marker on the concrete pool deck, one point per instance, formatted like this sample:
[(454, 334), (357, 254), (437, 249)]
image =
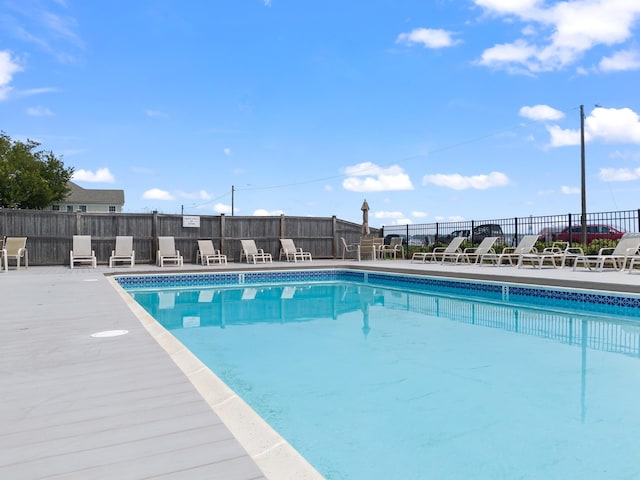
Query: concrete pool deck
[(132, 406)]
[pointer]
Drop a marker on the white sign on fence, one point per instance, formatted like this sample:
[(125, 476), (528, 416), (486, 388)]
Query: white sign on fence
[(191, 221)]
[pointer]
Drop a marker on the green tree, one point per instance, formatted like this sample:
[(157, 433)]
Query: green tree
[(30, 178)]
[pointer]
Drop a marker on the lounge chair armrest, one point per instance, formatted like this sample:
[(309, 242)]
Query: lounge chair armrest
[(574, 251), (509, 250), (438, 249), (606, 249), (470, 250)]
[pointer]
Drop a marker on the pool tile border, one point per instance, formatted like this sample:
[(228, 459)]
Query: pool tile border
[(584, 300)]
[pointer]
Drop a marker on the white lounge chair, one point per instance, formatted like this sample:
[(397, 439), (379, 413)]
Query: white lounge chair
[(81, 252), (485, 247), (439, 253), (395, 246), (207, 253), (526, 246), (555, 256), (289, 252), (252, 253), (167, 252), (635, 260), (368, 247), (347, 248), (123, 252), (618, 256), (14, 248)]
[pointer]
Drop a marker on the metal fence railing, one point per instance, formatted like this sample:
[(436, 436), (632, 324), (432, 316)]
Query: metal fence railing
[(565, 227)]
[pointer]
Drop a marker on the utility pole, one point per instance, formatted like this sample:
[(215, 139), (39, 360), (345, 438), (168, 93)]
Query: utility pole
[(583, 194), (233, 190)]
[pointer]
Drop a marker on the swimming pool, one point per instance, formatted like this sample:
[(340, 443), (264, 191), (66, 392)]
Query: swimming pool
[(390, 376)]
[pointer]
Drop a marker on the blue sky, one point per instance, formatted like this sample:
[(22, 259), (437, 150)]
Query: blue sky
[(432, 111)]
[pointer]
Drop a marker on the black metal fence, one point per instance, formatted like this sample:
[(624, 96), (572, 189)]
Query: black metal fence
[(551, 228), (49, 234)]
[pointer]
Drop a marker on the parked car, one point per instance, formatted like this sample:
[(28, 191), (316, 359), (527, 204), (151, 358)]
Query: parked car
[(488, 230), (418, 241), (446, 239), (550, 234), (594, 231), (478, 234), (460, 233)]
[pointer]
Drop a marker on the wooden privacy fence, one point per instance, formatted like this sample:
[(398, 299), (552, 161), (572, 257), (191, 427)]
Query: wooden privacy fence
[(49, 234)]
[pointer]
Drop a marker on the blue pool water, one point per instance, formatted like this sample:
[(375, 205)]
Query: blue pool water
[(376, 378)]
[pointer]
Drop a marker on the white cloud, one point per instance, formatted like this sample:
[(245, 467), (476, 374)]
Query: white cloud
[(8, 66), (609, 125), (623, 60), (39, 112), (614, 125), (157, 194), (102, 175), (222, 208), (376, 179), (419, 214), (261, 212), (267, 3), (511, 55), (383, 214), (626, 155), (204, 195), (563, 138), (429, 38), (541, 113), (200, 195), (508, 6), (567, 29), (30, 92), (569, 190), (328, 188), (227, 151), (619, 174), (459, 182), (402, 221)]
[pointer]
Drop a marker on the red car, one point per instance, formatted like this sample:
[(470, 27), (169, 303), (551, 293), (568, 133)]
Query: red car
[(573, 233)]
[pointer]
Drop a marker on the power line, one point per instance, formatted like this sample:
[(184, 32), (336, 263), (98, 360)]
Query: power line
[(399, 161)]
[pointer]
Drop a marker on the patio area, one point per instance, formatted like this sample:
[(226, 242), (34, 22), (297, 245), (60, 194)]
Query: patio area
[(79, 406)]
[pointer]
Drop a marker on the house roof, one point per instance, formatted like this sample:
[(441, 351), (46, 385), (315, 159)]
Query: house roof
[(78, 194)]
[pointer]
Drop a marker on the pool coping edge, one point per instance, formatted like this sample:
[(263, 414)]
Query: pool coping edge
[(269, 450)]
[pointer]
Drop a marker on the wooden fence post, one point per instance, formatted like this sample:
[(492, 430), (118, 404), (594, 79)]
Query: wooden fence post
[(222, 233), (334, 231)]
